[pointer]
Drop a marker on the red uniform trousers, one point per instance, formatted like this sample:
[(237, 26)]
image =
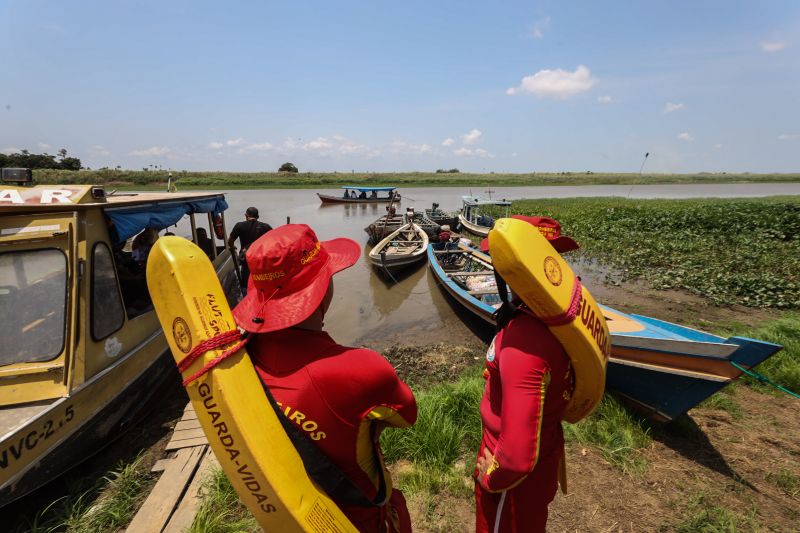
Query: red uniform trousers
[(522, 508)]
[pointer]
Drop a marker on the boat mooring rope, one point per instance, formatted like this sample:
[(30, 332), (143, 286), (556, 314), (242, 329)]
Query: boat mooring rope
[(386, 271), (764, 379)]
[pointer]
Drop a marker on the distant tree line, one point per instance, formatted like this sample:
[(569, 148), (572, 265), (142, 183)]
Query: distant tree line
[(444, 171), (25, 159)]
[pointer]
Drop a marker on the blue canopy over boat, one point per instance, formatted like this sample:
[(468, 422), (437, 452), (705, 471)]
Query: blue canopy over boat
[(357, 188), (128, 221)]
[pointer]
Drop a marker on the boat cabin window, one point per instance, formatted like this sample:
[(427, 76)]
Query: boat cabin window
[(33, 300), (107, 311)]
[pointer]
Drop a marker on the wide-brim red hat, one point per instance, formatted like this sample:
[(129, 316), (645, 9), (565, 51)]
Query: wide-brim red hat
[(290, 274), (550, 228)]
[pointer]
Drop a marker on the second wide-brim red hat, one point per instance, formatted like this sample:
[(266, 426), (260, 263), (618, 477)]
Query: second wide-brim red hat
[(290, 271), (550, 228)]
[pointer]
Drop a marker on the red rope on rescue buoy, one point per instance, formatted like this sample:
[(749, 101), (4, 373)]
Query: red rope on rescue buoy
[(209, 344), (572, 311)]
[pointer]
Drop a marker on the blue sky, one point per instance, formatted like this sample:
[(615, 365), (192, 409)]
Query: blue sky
[(414, 85)]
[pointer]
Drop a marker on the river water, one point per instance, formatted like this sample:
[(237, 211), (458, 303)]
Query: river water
[(367, 310)]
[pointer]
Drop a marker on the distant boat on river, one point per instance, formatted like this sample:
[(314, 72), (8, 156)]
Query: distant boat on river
[(366, 195)]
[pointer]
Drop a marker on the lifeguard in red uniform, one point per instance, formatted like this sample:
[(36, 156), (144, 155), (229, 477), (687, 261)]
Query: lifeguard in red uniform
[(529, 382), (340, 397)]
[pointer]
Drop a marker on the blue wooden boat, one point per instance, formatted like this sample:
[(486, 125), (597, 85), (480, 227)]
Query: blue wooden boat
[(664, 369)]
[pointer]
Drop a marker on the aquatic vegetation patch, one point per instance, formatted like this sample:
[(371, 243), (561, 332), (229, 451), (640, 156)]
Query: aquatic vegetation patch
[(739, 251)]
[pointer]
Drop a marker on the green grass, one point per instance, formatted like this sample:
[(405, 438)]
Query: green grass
[(616, 433), (743, 251), (787, 480), (783, 367), (704, 515), (725, 400), (221, 510), (448, 426), (120, 494), (216, 180)]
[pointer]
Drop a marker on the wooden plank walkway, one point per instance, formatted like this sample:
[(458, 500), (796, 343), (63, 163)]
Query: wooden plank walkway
[(175, 498)]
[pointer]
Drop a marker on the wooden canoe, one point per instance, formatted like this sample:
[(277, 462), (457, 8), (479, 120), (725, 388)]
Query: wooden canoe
[(402, 248)]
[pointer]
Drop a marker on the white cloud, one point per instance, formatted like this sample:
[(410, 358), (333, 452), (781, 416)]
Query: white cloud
[(477, 152), (152, 151), (788, 136), (235, 142), (336, 145), (537, 31), (259, 147), (774, 46), (671, 108), (471, 137), (719, 145), (10, 150), (289, 145), (99, 150), (556, 83), (605, 99), (44, 146), (398, 146), (448, 142), (685, 137), (214, 145), (320, 144)]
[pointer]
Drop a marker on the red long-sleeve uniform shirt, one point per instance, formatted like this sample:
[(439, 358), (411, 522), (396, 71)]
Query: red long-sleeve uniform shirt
[(528, 386), (341, 398)]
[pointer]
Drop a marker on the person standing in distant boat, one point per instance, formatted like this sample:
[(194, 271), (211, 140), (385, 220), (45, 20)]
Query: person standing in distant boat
[(247, 232)]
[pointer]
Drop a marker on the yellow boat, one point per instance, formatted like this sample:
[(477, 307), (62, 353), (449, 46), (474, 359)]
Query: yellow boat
[(82, 349)]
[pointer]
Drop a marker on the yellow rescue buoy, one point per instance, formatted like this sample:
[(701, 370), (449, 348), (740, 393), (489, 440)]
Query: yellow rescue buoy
[(545, 282), (237, 418)]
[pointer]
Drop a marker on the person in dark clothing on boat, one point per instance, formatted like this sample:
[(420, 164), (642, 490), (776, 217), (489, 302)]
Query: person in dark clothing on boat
[(247, 232), (205, 244), (363, 195)]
